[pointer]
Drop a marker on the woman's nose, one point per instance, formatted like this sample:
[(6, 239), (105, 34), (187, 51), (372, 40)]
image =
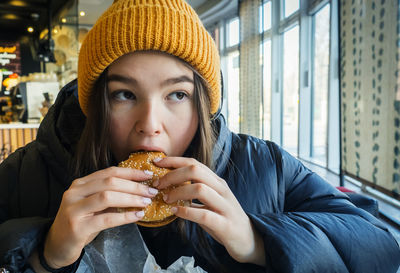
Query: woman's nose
[(149, 120)]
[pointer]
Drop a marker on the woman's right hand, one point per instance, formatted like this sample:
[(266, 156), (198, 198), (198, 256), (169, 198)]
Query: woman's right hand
[(88, 207)]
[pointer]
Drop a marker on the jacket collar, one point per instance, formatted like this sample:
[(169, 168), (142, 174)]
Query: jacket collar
[(59, 132)]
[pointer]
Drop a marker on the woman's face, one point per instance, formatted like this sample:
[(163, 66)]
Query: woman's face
[(152, 108)]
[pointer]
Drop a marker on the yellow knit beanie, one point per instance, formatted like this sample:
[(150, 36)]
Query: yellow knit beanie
[(171, 26)]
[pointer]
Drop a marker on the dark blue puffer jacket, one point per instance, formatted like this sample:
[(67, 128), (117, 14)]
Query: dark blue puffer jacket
[(306, 224)]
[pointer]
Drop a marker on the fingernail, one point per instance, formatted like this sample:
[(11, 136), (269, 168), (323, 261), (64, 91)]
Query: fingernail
[(165, 197), (148, 172), (157, 159), (156, 183), (146, 200), (153, 191), (174, 210), (140, 214)]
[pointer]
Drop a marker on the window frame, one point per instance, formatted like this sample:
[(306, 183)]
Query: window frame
[(303, 17)]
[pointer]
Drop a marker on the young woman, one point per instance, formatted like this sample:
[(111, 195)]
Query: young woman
[(149, 80)]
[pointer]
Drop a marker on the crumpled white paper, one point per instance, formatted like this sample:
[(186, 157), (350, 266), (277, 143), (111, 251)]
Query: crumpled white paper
[(182, 265), (122, 249)]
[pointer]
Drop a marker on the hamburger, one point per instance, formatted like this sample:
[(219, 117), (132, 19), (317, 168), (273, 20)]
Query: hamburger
[(158, 213)]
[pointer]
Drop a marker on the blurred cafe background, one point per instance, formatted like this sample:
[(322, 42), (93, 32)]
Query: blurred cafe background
[(319, 77)]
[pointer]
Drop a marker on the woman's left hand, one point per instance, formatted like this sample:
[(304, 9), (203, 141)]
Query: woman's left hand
[(221, 215)]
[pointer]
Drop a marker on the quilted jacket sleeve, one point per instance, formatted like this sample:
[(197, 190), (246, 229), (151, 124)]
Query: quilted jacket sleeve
[(320, 230), (33, 179), (18, 235), (20, 238), (21, 231)]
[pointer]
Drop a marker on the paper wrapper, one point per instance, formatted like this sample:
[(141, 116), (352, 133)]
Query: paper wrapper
[(122, 249), (182, 265)]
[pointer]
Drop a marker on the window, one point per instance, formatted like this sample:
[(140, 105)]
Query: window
[(266, 53), (286, 73), (229, 51), (291, 6), (233, 90), (265, 23), (291, 89), (233, 32), (320, 85), (265, 16)]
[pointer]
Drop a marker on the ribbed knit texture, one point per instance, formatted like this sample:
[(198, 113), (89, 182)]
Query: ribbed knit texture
[(170, 26)]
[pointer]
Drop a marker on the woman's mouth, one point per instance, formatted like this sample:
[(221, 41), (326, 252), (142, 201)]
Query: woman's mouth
[(145, 148)]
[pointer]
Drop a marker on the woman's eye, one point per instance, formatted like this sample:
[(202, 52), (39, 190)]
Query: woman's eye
[(123, 95), (178, 96)]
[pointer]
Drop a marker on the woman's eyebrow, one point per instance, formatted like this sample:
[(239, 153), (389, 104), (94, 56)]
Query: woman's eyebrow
[(176, 80), (130, 80)]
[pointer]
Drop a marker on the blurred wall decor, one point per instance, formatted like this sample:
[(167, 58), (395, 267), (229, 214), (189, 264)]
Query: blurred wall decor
[(10, 65), (370, 42)]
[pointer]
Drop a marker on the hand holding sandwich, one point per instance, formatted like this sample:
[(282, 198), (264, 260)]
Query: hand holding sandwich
[(220, 214), (85, 211)]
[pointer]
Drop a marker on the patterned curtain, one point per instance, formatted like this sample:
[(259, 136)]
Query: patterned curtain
[(250, 68), (369, 84)]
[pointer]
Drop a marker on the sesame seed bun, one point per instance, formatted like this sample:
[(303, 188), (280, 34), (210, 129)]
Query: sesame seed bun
[(158, 213)]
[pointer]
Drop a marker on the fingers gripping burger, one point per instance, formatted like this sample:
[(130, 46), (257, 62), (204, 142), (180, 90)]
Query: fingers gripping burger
[(158, 213)]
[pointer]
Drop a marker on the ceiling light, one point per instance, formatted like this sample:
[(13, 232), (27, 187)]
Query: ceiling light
[(63, 20), (10, 16), (18, 3), (35, 16), (82, 13), (30, 29)]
